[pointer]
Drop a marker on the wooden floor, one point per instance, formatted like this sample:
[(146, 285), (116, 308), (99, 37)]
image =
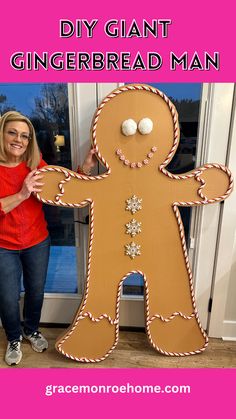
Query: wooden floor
[(132, 351)]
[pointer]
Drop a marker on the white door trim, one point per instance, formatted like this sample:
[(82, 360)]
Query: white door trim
[(213, 136), (226, 251)]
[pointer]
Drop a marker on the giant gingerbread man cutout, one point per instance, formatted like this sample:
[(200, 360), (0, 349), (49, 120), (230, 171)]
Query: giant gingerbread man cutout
[(135, 225)]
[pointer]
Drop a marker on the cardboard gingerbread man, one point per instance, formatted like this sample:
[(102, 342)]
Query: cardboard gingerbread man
[(135, 225)]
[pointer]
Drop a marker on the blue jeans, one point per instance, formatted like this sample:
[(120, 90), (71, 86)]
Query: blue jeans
[(32, 263)]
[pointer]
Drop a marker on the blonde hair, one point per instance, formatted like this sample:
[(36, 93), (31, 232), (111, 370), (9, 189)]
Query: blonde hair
[(32, 153)]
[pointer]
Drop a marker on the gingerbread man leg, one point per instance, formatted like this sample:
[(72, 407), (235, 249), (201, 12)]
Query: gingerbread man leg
[(94, 332), (173, 327)]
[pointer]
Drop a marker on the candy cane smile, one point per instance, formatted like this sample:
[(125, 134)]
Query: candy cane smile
[(138, 164)]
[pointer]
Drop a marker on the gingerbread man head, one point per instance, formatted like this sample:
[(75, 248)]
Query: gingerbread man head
[(136, 125)]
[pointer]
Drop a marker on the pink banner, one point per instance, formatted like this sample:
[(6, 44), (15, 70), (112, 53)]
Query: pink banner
[(104, 393), (90, 42)]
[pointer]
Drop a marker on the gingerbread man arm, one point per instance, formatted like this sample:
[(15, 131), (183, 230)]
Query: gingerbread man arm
[(217, 183), (204, 185), (59, 188)]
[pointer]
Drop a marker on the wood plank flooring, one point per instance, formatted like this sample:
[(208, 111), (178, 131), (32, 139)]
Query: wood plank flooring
[(132, 351)]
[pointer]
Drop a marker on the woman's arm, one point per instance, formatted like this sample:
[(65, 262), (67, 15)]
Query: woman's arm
[(10, 202), (30, 185), (89, 162)]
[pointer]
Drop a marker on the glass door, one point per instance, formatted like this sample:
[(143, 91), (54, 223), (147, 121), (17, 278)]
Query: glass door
[(47, 106)]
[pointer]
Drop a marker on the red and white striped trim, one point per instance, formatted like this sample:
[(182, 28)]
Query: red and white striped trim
[(168, 319)]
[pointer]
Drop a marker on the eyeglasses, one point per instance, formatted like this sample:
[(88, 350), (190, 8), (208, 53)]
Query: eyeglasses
[(15, 134)]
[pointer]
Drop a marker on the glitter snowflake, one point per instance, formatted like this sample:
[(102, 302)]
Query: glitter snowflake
[(132, 250), (133, 227), (133, 204)]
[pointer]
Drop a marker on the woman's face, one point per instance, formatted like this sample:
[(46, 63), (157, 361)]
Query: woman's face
[(16, 136)]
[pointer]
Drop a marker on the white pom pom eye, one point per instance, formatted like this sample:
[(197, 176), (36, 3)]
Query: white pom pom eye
[(145, 126), (129, 127)]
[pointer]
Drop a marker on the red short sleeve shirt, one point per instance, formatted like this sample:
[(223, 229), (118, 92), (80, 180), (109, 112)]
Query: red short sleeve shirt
[(25, 225)]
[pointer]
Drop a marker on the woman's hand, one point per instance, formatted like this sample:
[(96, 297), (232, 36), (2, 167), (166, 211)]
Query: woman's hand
[(31, 184), (89, 161)]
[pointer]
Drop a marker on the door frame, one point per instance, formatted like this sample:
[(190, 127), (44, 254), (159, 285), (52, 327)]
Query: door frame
[(222, 319), (213, 147)]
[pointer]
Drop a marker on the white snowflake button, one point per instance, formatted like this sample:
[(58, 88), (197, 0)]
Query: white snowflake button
[(133, 227), (133, 204), (132, 249)]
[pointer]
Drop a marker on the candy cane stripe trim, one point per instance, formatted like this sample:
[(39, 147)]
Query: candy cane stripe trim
[(168, 319)]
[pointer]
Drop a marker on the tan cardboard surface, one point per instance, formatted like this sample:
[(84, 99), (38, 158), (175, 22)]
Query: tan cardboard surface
[(172, 322)]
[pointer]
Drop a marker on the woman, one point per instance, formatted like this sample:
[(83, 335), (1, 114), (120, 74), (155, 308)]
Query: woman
[(24, 239)]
